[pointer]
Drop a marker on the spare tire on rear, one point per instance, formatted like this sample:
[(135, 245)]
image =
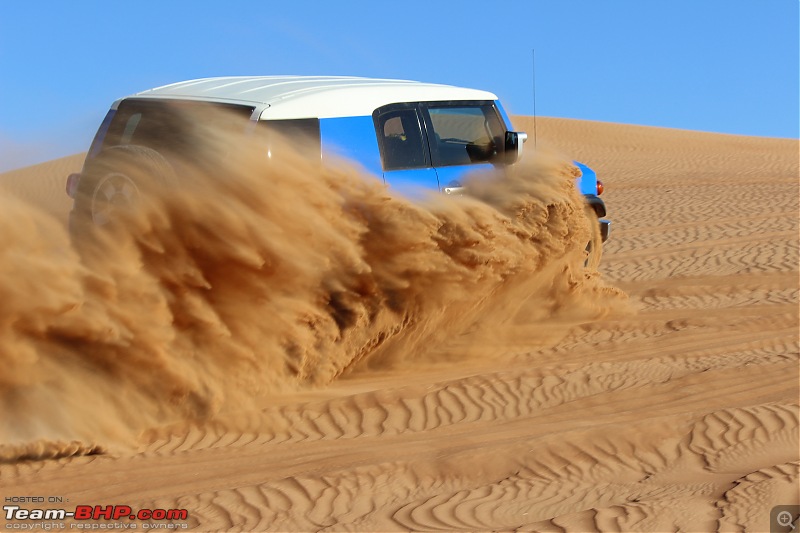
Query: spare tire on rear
[(119, 180)]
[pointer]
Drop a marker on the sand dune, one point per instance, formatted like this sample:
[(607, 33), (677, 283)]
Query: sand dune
[(679, 412), (44, 185)]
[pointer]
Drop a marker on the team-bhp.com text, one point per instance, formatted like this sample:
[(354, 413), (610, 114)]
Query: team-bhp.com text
[(93, 517)]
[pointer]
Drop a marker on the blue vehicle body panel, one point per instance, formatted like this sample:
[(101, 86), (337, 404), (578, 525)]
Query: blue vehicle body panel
[(353, 138), (587, 183), (454, 176), (503, 114), (413, 183)]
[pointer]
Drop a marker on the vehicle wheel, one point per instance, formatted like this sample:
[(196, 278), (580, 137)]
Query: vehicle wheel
[(594, 249), (118, 180)]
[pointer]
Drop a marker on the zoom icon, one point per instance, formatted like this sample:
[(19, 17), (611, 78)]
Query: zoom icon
[(784, 519)]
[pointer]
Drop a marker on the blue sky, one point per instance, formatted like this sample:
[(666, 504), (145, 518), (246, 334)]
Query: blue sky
[(728, 66)]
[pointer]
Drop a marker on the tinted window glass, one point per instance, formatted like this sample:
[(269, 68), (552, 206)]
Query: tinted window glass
[(464, 135), (174, 126), (400, 139), (301, 135)]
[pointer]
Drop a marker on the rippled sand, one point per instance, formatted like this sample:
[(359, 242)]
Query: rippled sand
[(678, 413)]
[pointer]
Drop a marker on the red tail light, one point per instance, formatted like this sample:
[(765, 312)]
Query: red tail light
[(72, 184), (599, 187)]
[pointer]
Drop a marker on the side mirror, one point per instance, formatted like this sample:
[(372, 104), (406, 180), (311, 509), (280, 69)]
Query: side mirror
[(513, 147)]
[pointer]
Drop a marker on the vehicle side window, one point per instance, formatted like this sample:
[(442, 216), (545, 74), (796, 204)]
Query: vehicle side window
[(400, 139), (130, 127), (303, 135), (465, 134), (173, 126)]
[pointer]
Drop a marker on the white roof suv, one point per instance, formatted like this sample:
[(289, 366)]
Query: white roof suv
[(412, 135)]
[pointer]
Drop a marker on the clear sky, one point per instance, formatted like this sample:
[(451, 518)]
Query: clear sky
[(727, 66)]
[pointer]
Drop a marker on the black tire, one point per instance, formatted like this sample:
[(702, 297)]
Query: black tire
[(120, 178)]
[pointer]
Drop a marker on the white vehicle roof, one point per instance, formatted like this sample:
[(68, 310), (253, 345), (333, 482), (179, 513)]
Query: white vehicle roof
[(277, 97)]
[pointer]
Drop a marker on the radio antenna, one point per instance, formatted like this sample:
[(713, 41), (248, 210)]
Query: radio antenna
[(533, 70)]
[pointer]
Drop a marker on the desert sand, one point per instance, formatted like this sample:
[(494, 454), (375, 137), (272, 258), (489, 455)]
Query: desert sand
[(676, 409)]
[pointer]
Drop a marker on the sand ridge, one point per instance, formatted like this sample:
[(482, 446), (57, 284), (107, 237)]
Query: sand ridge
[(681, 415)]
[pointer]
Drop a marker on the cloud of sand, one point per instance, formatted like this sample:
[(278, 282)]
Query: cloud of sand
[(260, 276)]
